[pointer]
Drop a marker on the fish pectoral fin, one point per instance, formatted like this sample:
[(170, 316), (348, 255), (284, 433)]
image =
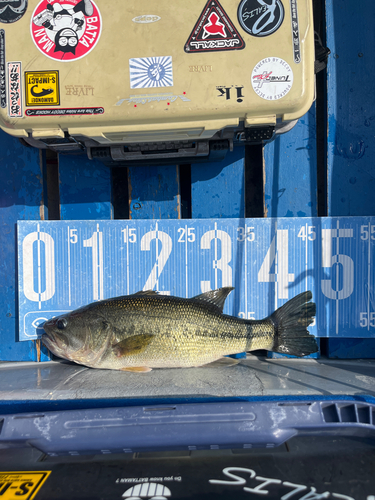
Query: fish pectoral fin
[(215, 298), (136, 369), (221, 362), (132, 345)]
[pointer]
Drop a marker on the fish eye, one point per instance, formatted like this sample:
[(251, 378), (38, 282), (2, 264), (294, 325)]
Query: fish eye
[(61, 324), (72, 41), (63, 41)]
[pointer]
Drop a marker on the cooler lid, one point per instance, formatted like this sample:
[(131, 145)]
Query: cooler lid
[(113, 72)]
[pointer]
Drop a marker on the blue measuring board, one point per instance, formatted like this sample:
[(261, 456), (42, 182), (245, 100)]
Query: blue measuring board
[(66, 264)]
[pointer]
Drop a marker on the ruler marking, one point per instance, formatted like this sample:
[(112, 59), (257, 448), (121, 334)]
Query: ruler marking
[(186, 263), (39, 270), (69, 283), (306, 259), (336, 260), (337, 275), (127, 259), (215, 255), (246, 308), (101, 265), (369, 276), (276, 265)]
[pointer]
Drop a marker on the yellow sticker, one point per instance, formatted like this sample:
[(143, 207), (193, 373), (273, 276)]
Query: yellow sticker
[(42, 88), (25, 485)]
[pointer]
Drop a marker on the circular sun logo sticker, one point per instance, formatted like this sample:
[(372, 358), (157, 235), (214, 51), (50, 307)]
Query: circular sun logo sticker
[(66, 30)]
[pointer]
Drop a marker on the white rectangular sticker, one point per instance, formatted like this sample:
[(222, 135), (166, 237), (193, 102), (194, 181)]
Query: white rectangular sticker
[(15, 90), (3, 90), (295, 32), (146, 72)]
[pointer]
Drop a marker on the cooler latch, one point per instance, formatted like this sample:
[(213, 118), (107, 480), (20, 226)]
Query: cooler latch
[(259, 134), (256, 134)]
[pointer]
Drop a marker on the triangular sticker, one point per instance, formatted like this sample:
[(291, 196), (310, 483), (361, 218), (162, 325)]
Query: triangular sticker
[(214, 31)]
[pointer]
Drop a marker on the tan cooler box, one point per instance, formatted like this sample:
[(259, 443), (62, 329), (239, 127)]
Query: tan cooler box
[(129, 81)]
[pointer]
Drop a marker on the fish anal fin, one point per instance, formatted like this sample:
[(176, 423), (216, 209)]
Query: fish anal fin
[(132, 345), (221, 362), (215, 297), (138, 369)]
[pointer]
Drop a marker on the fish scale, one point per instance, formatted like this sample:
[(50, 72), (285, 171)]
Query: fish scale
[(187, 333), (147, 330)]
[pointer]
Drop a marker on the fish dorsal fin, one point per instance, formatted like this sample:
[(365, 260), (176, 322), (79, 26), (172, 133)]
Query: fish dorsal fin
[(146, 292), (215, 297), (132, 345)]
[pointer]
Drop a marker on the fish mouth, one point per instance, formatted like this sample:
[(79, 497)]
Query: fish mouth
[(55, 342), (51, 344), (48, 342), (54, 345), (48, 332)]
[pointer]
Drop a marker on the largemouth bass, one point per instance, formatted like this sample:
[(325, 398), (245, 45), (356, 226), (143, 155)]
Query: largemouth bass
[(146, 330)]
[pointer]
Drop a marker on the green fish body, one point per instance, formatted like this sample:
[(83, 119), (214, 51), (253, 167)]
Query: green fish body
[(146, 330)]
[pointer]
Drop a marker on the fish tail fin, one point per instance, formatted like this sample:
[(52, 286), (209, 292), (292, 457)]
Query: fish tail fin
[(291, 321)]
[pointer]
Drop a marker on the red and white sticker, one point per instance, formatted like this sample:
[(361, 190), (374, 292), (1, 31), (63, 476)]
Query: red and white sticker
[(272, 78), (66, 30), (14, 90), (213, 31)]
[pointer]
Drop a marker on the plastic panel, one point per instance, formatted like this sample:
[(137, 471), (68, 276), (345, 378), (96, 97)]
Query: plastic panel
[(154, 192), (217, 189), (290, 171), (190, 427), (85, 188), (290, 168), (351, 181), (21, 197)]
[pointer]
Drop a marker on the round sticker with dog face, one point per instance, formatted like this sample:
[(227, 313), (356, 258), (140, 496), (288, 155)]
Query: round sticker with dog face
[(66, 30)]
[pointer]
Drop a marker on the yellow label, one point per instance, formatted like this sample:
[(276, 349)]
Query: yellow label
[(42, 88), (21, 485)]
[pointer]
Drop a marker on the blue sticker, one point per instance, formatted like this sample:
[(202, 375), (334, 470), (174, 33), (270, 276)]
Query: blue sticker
[(148, 72)]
